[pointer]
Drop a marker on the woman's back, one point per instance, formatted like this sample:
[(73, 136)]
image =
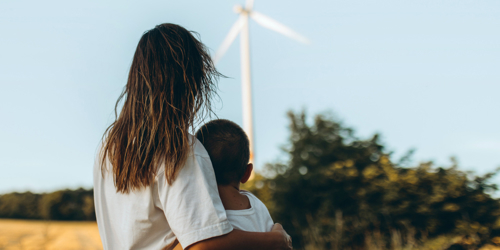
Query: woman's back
[(148, 179), (153, 217)]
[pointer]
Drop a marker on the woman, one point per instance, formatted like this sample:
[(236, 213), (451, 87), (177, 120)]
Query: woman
[(153, 182)]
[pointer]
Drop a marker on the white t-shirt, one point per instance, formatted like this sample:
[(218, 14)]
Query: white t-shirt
[(254, 219), (151, 218)]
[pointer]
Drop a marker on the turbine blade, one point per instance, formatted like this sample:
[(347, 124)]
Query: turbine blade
[(249, 5), (233, 33), (271, 24)]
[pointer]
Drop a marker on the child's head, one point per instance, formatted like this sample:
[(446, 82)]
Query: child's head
[(229, 150)]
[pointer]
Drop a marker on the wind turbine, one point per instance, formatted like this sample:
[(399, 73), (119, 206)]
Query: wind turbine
[(241, 27)]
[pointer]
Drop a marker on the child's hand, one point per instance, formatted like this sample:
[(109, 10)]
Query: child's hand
[(278, 228)]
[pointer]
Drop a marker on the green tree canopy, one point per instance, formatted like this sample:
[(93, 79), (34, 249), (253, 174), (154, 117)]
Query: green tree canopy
[(341, 192), (59, 205)]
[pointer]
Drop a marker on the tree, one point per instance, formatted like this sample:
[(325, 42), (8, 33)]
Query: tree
[(66, 205), (19, 206), (341, 192), (60, 205)]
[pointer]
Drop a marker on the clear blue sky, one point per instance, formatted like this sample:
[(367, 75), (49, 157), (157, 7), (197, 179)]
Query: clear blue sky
[(423, 73)]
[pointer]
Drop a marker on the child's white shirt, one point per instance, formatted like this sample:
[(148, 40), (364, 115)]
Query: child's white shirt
[(254, 219)]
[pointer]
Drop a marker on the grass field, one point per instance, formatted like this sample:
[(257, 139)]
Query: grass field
[(55, 235), (48, 235)]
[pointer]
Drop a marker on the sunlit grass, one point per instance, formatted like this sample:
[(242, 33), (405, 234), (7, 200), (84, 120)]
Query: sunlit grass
[(48, 235), (52, 235)]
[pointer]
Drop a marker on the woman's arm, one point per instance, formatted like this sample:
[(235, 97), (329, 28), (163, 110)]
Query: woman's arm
[(277, 239), (196, 215)]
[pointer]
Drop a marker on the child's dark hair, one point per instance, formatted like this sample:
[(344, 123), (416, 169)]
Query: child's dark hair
[(228, 148)]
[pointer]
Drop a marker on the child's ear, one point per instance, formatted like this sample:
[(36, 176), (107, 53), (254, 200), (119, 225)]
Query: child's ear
[(247, 174)]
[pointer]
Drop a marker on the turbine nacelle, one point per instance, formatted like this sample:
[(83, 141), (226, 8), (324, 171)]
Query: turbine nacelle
[(238, 9), (266, 22)]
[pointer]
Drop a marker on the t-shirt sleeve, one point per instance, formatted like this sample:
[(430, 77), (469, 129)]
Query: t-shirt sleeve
[(192, 204)]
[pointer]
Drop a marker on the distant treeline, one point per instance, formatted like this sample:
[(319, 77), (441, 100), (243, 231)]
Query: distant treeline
[(60, 205)]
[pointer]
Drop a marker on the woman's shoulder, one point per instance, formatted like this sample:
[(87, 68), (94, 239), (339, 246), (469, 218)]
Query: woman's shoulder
[(197, 147), (197, 155)]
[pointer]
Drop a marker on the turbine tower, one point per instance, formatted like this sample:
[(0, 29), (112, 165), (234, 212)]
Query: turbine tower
[(241, 27)]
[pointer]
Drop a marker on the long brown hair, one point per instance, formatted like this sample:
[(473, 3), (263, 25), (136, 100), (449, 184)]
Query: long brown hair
[(170, 85)]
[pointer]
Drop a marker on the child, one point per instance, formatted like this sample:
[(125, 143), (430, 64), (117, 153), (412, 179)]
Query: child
[(228, 148)]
